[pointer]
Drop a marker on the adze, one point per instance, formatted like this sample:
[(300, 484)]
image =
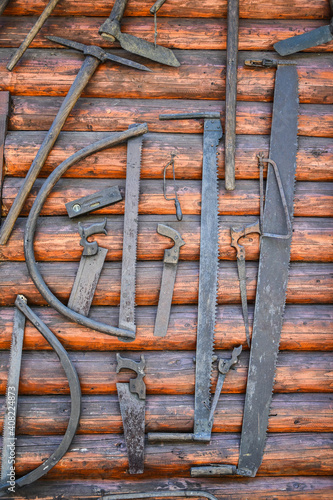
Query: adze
[(94, 56), (110, 30)]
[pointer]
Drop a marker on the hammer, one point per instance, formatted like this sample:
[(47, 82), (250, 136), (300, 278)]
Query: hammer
[(94, 56)]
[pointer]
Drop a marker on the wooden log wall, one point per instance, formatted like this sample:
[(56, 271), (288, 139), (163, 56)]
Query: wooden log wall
[(297, 462)]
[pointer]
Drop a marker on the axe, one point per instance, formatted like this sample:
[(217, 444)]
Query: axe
[(94, 56), (110, 30)]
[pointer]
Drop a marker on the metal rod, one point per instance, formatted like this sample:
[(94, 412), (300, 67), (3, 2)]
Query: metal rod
[(159, 494)]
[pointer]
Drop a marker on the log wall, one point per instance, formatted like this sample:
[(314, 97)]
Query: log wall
[(297, 462)]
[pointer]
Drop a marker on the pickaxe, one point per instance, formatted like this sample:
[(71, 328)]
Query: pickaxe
[(94, 56)]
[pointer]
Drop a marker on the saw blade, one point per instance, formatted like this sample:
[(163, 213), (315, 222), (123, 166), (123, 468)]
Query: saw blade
[(8, 435), (273, 273), (128, 270), (208, 279)]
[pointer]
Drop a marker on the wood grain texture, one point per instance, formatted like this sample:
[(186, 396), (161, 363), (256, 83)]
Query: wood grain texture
[(58, 238), (104, 456), (201, 75), (305, 327), (48, 415), (311, 198), (308, 283)]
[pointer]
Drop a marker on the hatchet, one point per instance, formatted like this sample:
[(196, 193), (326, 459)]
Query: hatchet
[(110, 30), (94, 57)]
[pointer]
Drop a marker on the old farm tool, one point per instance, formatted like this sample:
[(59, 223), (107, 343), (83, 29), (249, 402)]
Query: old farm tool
[(179, 213), (94, 57), (110, 30), (132, 402), (153, 10), (160, 494), (47, 187), (208, 280), (32, 33), (94, 201), (236, 235), (130, 235), (90, 268), (276, 231), (318, 36), (231, 95), (171, 256), (23, 312)]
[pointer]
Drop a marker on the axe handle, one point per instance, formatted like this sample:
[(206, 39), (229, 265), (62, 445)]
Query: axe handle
[(118, 10), (3, 5), (87, 70)]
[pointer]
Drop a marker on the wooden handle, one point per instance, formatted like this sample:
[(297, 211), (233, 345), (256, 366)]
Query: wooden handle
[(118, 10)]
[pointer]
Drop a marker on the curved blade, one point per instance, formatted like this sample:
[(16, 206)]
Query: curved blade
[(313, 38)]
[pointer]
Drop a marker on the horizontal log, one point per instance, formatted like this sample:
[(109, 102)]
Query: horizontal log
[(199, 76), (308, 283), (37, 113), (48, 415), (105, 456), (314, 157), (307, 327), (311, 199), (190, 34), (312, 9), (58, 239), (290, 488), (169, 372)]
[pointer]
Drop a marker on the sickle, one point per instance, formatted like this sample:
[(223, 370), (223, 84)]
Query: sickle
[(30, 230), (75, 392)]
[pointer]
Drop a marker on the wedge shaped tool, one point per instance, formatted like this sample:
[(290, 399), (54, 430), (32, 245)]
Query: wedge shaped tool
[(313, 38), (94, 57), (32, 33), (90, 268), (208, 280), (236, 235), (74, 387), (132, 406), (171, 256), (130, 235), (92, 202), (110, 30)]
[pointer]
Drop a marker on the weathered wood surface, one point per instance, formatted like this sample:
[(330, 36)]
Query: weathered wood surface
[(311, 198), (171, 372), (91, 114), (58, 238), (308, 283), (199, 76), (105, 456), (48, 415), (305, 327), (290, 488), (191, 34), (4, 108), (257, 9)]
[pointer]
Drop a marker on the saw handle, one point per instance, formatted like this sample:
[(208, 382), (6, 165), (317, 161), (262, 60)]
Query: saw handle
[(237, 234), (136, 385), (171, 255), (91, 247)]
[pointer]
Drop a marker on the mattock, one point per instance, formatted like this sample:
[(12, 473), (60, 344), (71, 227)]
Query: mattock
[(132, 406), (94, 57)]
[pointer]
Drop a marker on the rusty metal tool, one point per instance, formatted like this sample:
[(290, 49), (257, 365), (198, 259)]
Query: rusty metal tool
[(315, 37), (153, 10), (94, 57), (236, 235), (208, 280), (90, 268), (110, 30), (94, 201), (51, 299), (3, 5), (31, 35), (178, 208), (75, 393), (231, 95), (171, 256), (159, 494), (130, 235), (132, 406)]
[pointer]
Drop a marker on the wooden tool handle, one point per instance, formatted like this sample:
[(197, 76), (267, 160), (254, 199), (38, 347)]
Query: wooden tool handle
[(118, 10)]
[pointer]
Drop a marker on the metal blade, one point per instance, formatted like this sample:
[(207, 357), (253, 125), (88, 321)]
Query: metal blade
[(8, 435), (296, 43), (71, 44), (241, 266), (125, 62), (128, 270), (208, 276), (165, 299), (272, 275)]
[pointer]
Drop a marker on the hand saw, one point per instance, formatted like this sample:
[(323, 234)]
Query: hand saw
[(272, 280), (171, 256), (110, 30)]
